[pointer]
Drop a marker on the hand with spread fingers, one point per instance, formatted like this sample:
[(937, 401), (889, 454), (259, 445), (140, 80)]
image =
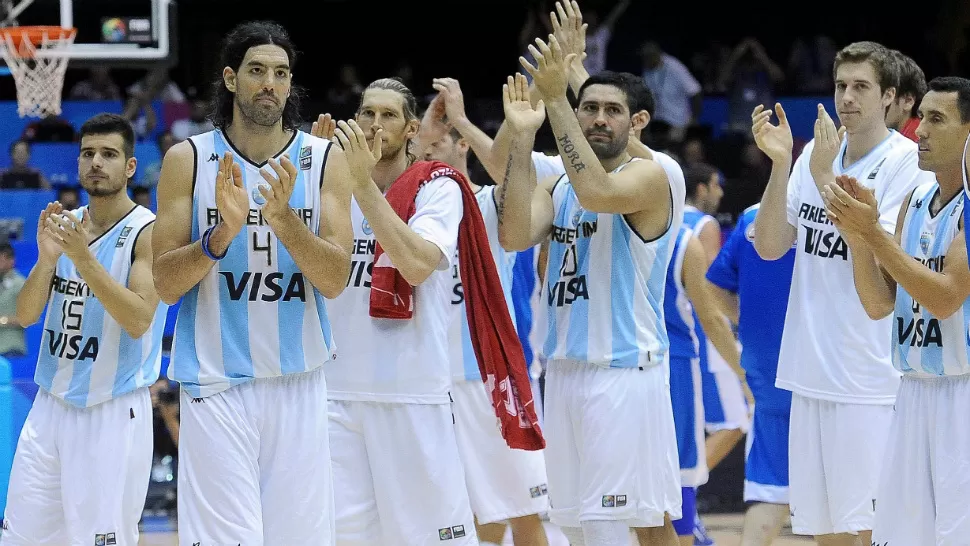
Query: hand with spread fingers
[(451, 97), (551, 71), (70, 234), (519, 112), (852, 207), (569, 29), (324, 127), (360, 158), (232, 199), (774, 140), (278, 188), (828, 141)]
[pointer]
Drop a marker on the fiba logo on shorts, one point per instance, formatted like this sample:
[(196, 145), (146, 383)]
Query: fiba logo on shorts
[(365, 227), (448, 533), (614, 501), (538, 491)]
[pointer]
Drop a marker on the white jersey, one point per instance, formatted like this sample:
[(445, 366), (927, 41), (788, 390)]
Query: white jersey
[(464, 364), (925, 345), (253, 315), (605, 283), (830, 348), (392, 360), (86, 357)]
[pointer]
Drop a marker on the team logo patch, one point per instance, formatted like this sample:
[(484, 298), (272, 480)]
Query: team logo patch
[(445, 534), (365, 227), (123, 236), (99, 540), (306, 157), (924, 242), (258, 197), (577, 215)]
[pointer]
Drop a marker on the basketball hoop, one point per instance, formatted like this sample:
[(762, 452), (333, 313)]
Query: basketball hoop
[(37, 57)]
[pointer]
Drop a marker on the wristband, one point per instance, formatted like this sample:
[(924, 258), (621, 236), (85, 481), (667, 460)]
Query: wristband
[(205, 246)]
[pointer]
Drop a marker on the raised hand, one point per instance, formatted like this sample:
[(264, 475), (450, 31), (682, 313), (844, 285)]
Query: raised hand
[(278, 187), (360, 158), (828, 141), (450, 92), (69, 233), (519, 113), (569, 29), (232, 200), (48, 250), (774, 140), (550, 74), (324, 127)]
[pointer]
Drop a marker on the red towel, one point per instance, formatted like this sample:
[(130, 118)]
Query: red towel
[(494, 339)]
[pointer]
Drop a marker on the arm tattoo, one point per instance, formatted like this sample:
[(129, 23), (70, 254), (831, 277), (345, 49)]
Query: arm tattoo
[(569, 150), (505, 187)]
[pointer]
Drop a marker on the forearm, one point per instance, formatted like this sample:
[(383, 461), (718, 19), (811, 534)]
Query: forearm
[(414, 256), (716, 327), (586, 174), (773, 235), (876, 293), (325, 263), (177, 271), (34, 293), (130, 310), (930, 289), (727, 303), (496, 158), (515, 195)]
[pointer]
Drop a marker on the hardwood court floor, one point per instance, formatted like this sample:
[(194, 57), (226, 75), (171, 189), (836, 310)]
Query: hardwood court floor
[(725, 528)]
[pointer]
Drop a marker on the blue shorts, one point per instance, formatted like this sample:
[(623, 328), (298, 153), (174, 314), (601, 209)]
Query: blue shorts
[(766, 463), (685, 397), (685, 525)]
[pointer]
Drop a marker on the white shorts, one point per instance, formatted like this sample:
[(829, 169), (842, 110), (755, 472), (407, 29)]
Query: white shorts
[(835, 453), (925, 482), (611, 449), (400, 479), (80, 476), (503, 483), (254, 464)]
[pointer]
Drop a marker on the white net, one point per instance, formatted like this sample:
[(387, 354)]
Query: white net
[(37, 68)]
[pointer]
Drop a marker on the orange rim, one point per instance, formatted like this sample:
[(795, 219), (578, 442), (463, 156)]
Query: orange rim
[(36, 35)]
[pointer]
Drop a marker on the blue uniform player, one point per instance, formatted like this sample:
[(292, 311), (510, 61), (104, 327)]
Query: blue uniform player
[(754, 292)]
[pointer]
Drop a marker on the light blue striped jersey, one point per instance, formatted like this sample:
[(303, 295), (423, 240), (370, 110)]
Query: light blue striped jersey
[(679, 314), (464, 365), (605, 283), (86, 357), (922, 343), (254, 314)]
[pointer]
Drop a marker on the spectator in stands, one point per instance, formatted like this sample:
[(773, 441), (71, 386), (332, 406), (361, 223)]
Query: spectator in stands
[(69, 197), (693, 152), (195, 124), (810, 65), (142, 196), (20, 176), (678, 95), (344, 96), (598, 36), (150, 174), (901, 114), (49, 129), (11, 281), (749, 77), (97, 86)]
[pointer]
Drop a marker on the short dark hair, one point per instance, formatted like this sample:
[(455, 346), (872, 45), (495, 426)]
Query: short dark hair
[(111, 124), (697, 174), (638, 95), (882, 61), (960, 86), (912, 80), (234, 48)]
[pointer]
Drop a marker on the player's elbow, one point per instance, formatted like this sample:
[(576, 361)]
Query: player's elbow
[(878, 310), (944, 308), (137, 327), (513, 241), (25, 318), (768, 249)]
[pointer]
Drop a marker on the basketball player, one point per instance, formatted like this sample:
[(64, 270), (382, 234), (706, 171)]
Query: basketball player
[(921, 277), (395, 456), (687, 304), (754, 292), (902, 113), (503, 483), (836, 362), (81, 469), (612, 222), (253, 233)]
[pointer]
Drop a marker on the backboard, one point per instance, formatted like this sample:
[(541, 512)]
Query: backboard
[(113, 33)]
